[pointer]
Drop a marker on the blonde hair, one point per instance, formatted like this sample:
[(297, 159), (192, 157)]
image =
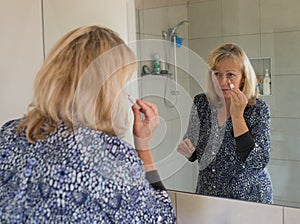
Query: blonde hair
[(80, 82), (249, 80)]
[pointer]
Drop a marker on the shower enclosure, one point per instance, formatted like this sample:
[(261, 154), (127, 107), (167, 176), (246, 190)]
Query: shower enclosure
[(171, 92)]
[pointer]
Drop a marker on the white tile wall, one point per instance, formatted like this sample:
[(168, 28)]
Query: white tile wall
[(285, 132), (163, 145), (202, 46), (145, 4), (267, 49), (158, 89), (154, 21), (250, 43), (286, 52), (284, 101), (285, 178), (199, 15), (183, 180), (240, 18), (278, 15)]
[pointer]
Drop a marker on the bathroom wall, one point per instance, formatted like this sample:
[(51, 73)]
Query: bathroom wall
[(21, 54), (23, 29), (60, 16)]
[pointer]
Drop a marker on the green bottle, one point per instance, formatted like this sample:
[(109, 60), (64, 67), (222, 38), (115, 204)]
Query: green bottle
[(156, 64)]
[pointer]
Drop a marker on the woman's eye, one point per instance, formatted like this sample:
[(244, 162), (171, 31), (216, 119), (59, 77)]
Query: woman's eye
[(230, 75), (217, 74)]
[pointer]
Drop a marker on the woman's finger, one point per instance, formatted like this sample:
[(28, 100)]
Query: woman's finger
[(136, 113), (150, 105), (149, 110)]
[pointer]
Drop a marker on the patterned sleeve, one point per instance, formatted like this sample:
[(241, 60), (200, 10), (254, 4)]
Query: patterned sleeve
[(259, 127), (148, 201), (193, 127)]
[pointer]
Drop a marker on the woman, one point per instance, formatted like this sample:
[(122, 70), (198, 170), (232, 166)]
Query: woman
[(229, 131), (65, 161)]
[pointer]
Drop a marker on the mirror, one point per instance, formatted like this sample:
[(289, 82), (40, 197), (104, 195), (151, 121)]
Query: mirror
[(261, 32), (258, 29)]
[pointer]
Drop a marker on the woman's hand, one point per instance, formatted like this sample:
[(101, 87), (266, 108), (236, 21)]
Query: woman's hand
[(186, 148), (238, 103), (144, 126)]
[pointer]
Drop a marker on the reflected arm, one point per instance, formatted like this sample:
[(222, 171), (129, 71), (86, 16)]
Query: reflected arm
[(193, 130), (244, 143), (258, 122)]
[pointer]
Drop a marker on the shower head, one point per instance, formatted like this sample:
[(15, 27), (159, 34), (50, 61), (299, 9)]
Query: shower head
[(173, 30)]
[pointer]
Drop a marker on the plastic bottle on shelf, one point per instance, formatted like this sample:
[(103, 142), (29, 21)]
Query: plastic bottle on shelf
[(163, 69), (259, 85), (266, 83), (156, 64)]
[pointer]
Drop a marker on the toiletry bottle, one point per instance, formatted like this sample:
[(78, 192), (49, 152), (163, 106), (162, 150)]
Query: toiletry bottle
[(156, 69), (266, 83), (259, 85), (163, 69)]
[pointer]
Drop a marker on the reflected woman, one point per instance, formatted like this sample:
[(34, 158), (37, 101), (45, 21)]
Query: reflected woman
[(229, 131)]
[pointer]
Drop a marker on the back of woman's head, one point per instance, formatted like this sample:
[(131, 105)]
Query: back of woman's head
[(237, 54), (81, 76)]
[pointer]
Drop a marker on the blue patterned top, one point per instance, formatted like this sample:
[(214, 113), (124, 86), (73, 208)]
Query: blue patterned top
[(85, 176), (222, 173)]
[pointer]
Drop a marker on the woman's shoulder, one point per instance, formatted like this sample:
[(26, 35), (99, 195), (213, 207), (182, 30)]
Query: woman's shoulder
[(260, 104), (200, 99), (111, 144), (87, 132), (260, 110), (11, 123), (9, 127)]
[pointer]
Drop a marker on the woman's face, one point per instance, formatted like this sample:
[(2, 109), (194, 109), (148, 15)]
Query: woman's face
[(227, 72)]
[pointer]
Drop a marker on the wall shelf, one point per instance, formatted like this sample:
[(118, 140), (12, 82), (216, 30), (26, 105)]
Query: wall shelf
[(153, 74), (260, 65)]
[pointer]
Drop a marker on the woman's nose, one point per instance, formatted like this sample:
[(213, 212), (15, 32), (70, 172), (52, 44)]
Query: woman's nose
[(223, 80)]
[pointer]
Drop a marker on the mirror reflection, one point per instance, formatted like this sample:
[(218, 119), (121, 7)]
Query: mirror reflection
[(229, 131), (272, 46)]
